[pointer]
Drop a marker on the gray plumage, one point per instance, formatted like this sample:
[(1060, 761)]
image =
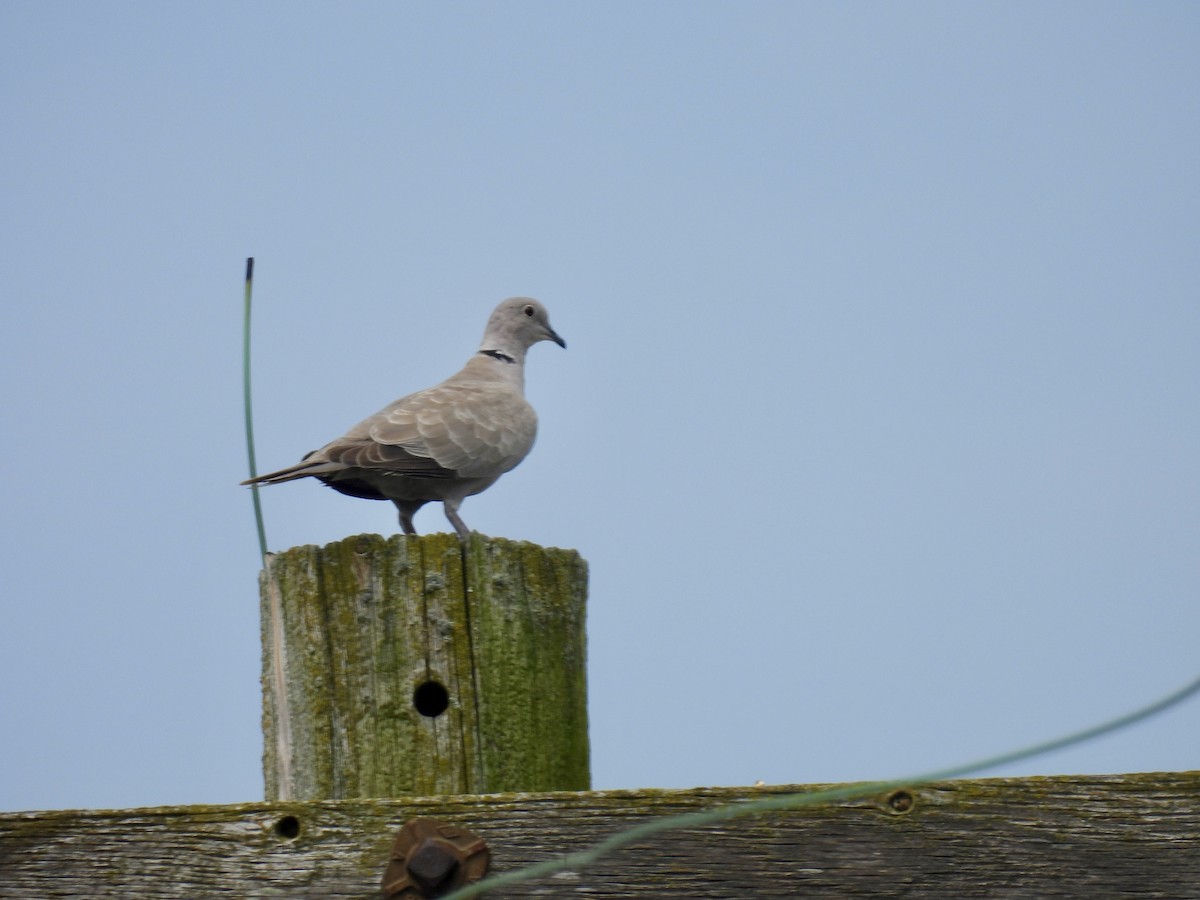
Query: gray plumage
[(446, 442)]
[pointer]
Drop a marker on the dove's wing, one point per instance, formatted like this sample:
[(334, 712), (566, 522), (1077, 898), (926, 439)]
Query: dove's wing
[(476, 429)]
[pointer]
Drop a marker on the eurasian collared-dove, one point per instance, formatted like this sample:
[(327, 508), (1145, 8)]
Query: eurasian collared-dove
[(449, 441)]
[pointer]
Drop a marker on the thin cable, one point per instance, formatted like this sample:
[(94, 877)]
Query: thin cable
[(793, 801), (278, 646), (258, 517)]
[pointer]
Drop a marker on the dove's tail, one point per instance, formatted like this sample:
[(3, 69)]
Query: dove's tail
[(315, 468)]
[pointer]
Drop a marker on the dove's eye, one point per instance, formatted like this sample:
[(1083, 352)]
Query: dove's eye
[(528, 311)]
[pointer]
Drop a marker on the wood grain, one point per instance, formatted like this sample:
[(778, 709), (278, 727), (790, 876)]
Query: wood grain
[(1134, 836)]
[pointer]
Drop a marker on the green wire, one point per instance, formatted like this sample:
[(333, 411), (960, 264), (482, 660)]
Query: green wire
[(258, 517), (792, 801)]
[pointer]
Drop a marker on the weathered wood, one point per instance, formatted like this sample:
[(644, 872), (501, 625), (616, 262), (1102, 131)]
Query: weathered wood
[(1083, 836), (353, 629)]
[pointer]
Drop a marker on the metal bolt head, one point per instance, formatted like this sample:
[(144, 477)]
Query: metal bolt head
[(432, 865), (431, 858)]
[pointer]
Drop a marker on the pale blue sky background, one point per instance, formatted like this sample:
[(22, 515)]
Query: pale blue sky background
[(878, 426)]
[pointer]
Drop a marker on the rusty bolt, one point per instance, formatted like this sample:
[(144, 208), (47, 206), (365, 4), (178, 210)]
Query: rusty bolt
[(431, 858)]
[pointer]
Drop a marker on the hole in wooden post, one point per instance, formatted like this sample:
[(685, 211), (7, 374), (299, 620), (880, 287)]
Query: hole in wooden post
[(431, 699), (288, 827)]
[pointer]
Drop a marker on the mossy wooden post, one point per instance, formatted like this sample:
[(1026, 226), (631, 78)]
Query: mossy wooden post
[(415, 666)]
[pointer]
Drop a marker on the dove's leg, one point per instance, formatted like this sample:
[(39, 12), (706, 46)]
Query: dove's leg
[(408, 508), (451, 507)]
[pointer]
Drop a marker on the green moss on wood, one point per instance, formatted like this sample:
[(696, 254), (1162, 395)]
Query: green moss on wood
[(367, 619)]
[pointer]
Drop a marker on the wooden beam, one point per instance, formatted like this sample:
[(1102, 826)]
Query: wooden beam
[(1081, 836)]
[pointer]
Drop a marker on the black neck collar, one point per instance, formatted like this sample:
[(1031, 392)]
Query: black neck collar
[(498, 354)]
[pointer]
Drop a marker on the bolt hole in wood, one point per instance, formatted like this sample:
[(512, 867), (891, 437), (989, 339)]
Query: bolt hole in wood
[(901, 801), (431, 699), (288, 827)]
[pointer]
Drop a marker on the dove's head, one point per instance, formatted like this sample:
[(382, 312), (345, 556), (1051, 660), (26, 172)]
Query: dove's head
[(517, 324)]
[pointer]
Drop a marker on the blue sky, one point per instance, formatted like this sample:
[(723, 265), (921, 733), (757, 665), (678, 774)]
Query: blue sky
[(878, 423)]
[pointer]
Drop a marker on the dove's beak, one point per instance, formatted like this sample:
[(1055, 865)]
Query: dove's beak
[(553, 335)]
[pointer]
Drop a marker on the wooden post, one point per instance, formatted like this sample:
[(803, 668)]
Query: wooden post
[(412, 665)]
